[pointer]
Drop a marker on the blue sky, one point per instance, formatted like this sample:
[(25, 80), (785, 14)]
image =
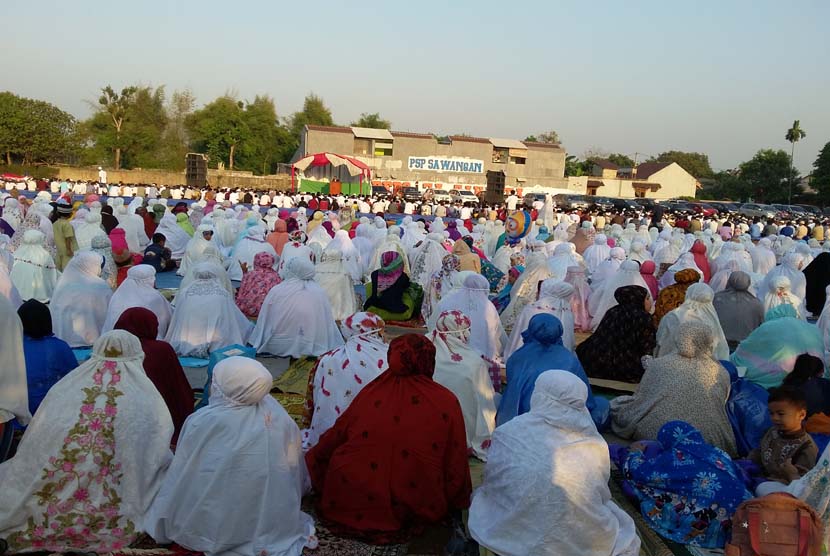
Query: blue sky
[(722, 77)]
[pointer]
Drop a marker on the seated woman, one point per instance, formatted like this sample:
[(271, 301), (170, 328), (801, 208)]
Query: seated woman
[(780, 293), (534, 498), (396, 460), (770, 351), (160, 363), (48, 358), (688, 384), (242, 451), (808, 376), (541, 350), (256, 284), (502, 299), (390, 294), (687, 490), (206, 317), (739, 311), (439, 285), (554, 299), (295, 319), (34, 273), (625, 334), (463, 370), (697, 307), (80, 300), (14, 403), (467, 259), (343, 372), (334, 277), (92, 459), (139, 290), (672, 297)]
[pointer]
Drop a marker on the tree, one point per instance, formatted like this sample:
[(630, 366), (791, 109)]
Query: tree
[(575, 167), (794, 135), (314, 112), (116, 105), (621, 160), (267, 139), (697, 164), (821, 172), (219, 129), (767, 175), (373, 121), (35, 131), (546, 137)]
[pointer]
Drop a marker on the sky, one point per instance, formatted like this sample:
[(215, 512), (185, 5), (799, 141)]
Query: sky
[(725, 78)]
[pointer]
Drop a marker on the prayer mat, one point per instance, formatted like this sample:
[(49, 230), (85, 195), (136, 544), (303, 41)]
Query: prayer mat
[(615, 385), (291, 387), (330, 544), (652, 543), (82, 354)]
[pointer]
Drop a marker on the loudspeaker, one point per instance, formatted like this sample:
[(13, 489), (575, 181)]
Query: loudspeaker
[(195, 172), (495, 187)]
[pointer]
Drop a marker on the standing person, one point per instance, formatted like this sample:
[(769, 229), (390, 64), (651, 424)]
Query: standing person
[(512, 201), (64, 234), (102, 176)]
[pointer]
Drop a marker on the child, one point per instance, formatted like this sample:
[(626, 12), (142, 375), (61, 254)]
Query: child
[(786, 451)]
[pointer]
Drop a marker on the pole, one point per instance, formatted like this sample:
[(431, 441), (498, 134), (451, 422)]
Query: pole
[(790, 181)]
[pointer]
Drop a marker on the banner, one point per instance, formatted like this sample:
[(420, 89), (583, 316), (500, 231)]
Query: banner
[(446, 164)]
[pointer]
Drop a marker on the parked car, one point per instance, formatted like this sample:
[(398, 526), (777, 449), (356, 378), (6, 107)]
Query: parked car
[(752, 209), (812, 209), (601, 203), (568, 201), (411, 194), (379, 191), (705, 209), (463, 196), (438, 195), (531, 198), (627, 204), (647, 204)]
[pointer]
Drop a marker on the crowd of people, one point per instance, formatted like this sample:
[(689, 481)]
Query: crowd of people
[(709, 321)]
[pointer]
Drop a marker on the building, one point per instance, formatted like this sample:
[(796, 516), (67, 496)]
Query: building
[(655, 180), (604, 169), (400, 159)]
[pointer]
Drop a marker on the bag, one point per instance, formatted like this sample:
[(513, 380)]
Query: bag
[(775, 525)]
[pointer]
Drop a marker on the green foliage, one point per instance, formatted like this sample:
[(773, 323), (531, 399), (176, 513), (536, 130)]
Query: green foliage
[(621, 160), (767, 176), (219, 129), (821, 172), (35, 131), (44, 172), (314, 112), (373, 121), (576, 167), (697, 164), (546, 137), (795, 133)]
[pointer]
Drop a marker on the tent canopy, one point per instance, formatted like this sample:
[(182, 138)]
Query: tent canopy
[(352, 165)]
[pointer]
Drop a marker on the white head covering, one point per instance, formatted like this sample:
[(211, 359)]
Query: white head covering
[(34, 272), (139, 290), (245, 251), (608, 267), (686, 260), (696, 308), (79, 303), (554, 299), (597, 252), (206, 317), (627, 275), (88, 229), (532, 481), (108, 401), (526, 288), (779, 293), (564, 256), (14, 397), (8, 289), (791, 267)]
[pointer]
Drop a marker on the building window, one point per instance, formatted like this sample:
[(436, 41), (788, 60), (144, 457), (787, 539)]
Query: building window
[(639, 193), (517, 160), (592, 190), (383, 149), (362, 147), (500, 156)]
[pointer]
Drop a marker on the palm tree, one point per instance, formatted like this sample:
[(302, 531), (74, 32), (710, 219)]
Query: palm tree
[(794, 135)]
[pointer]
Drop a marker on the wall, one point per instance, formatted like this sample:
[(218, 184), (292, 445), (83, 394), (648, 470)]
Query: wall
[(675, 182), (216, 178)]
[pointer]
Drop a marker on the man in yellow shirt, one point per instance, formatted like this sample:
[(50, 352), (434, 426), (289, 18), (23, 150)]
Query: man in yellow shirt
[(65, 242)]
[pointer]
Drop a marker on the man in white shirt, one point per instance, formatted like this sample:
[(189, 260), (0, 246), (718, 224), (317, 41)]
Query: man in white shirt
[(378, 206), (466, 212), (152, 191), (114, 191), (265, 200), (102, 175), (512, 201), (176, 193), (234, 197), (55, 186)]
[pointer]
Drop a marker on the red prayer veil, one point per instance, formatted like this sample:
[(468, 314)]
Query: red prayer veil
[(411, 354), (699, 253)]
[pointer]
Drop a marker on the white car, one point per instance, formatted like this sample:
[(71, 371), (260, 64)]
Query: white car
[(463, 196), (439, 196)]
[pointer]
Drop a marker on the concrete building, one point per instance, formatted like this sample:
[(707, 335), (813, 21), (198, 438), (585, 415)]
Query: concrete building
[(655, 180), (604, 169), (400, 159)]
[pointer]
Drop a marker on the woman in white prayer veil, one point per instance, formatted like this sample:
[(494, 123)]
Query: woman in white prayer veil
[(79, 302), (607, 268), (696, 308), (554, 299), (8, 289), (391, 242), (319, 235), (661, 241), (245, 251), (206, 317), (335, 279), (487, 333), (177, 238), (195, 247), (790, 267), (14, 397), (564, 257), (427, 258), (721, 277), (242, 451), (365, 246), (638, 251), (6, 255), (92, 459), (763, 258), (670, 253), (350, 254), (686, 260), (212, 258), (225, 228), (90, 228), (779, 293), (78, 219), (627, 275), (133, 225), (596, 253), (545, 490), (526, 289), (296, 318), (139, 290)]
